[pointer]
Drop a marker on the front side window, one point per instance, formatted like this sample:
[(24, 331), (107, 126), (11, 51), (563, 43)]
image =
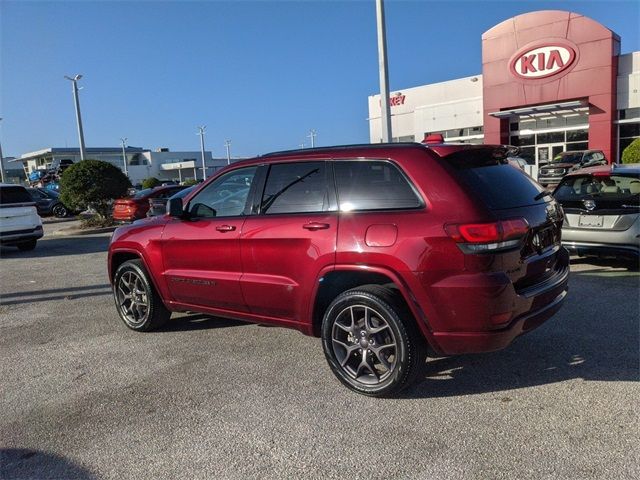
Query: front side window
[(373, 185), (295, 188), (224, 197)]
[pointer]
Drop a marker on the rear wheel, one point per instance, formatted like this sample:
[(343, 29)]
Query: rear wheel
[(139, 305), (28, 245), (371, 341)]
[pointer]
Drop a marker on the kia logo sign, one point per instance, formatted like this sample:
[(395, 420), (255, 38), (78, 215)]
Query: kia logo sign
[(541, 61)]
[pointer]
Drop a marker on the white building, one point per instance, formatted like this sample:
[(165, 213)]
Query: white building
[(552, 81), (141, 163)]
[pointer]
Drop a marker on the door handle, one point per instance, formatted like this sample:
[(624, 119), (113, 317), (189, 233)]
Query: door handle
[(313, 226), (225, 228)]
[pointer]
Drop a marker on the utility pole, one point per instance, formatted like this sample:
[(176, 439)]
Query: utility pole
[(385, 114), (2, 179), (312, 135), (124, 155), (227, 145), (76, 100), (201, 130)]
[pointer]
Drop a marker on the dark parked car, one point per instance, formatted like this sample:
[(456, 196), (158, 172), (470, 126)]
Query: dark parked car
[(136, 207), (551, 173), (48, 202), (158, 205), (384, 251), (602, 211)]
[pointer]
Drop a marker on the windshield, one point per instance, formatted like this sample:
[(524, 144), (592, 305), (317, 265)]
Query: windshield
[(143, 193), (624, 188), (567, 158)]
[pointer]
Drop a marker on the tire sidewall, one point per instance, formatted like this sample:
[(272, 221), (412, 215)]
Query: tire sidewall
[(349, 298)]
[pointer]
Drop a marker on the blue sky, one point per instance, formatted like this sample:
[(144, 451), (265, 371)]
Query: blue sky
[(258, 73)]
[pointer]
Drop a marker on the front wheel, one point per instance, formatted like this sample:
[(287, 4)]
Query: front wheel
[(371, 341), (139, 305), (60, 211)]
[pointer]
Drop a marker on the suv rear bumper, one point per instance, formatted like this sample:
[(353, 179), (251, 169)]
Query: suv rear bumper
[(543, 301), (14, 237), (603, 249)]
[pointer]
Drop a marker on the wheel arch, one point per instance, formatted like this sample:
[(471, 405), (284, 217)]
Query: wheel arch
[(332, 283)]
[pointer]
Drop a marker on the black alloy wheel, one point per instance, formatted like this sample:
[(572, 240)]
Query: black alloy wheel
[(60, 211)]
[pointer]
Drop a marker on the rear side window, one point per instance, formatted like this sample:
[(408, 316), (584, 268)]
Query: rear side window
[(497, 184), (9, 195), (295, 188), (373, 185)]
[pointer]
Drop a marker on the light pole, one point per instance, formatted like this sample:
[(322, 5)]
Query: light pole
[(124, 155), (1, 162), (312, 136), (201, 130), (385, 114), (227, 145), (76, 100)]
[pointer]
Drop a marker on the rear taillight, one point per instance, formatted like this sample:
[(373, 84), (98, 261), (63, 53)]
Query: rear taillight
[(488, 237)]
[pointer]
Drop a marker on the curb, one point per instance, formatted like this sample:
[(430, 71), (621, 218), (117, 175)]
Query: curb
[(83, 231)]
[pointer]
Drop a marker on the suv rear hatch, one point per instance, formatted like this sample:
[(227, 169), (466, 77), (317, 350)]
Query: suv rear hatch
[(17, 210), (520, 235), (603, 200)]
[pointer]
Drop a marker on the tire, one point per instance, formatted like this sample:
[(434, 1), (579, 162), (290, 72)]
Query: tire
[(394, 347), (60, 211), (138, 304), (28, 245)]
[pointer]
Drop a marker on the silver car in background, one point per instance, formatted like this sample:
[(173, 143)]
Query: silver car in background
[(602, 210)]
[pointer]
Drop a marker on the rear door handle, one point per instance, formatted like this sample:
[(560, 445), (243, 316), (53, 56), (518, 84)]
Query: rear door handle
[(225, 228), (313, 226)]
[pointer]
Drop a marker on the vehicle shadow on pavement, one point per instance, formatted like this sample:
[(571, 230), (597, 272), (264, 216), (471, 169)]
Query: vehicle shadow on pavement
[(59, 246), (70, 293), (628, 264), (593, 337), (22, 463), (197, 321)]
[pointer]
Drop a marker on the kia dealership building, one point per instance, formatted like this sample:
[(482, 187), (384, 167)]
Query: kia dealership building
[(551, 81)]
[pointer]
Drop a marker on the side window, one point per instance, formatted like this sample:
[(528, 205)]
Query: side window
[(373, 185), (225, 197), (295, 188), (37, 195)]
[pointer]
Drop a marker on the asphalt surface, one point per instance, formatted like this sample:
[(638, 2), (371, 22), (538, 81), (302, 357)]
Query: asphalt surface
[(83, 397)]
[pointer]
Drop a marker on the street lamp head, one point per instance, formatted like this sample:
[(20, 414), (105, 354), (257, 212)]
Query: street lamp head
[(74, 79)]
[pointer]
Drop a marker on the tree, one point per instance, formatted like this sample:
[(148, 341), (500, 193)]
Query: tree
[(150, 182), (93, 183), (631, 154)]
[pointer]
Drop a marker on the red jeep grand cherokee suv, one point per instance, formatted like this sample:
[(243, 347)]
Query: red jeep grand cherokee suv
[(382, 250)]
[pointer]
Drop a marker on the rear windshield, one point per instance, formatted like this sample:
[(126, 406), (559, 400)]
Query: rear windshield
[(9, 195), (623, 188), (499, 185)]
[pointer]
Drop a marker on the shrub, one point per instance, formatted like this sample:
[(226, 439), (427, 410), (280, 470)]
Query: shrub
[(631, 154), (93, 184), (150, 182), (190, 182)]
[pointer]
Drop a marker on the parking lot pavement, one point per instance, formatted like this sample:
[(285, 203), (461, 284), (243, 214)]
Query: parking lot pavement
[(83, 397)]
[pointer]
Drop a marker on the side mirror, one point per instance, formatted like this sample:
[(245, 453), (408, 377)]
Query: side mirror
[(175, 208)]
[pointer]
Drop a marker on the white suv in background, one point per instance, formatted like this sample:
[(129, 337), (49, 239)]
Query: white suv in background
[(20, 224)]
